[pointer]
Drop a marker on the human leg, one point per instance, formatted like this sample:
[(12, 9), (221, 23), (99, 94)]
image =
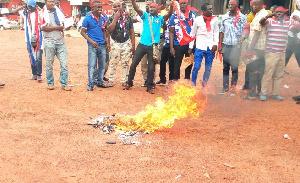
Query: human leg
[(49, 55), (198, 56), (62, 55), (278, 74), (101, 54), (209, 58), (138, 55)]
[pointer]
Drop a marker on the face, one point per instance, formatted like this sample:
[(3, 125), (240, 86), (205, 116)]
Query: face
[(148, 6), (31, 9), (124, 6), (117, 7), (209, 11), (57, 3), (279, 14), (50, 4), (153, 10), (97, 9), (183, 6), (232, 7), (257, 6)]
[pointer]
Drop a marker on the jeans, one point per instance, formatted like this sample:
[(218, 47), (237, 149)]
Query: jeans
[(180, 51), (209, 58), (291, 48), (256, 71), (165, 57), (95, 54), (140, 51), (231, 59), (60, 51), (37, 69)]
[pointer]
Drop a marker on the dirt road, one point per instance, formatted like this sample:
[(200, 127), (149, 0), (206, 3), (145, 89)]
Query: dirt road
[(44, 136)]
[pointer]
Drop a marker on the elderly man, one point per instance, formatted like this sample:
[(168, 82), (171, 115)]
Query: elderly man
[(257, 46), (93, 31), (52, 20), (232, 27), (154, 21), (206, 30), (120, 26)]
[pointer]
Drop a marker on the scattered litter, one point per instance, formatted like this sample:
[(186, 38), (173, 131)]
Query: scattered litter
[(178, 176), (286, 86), (286, 136), (126, 142), (229, 165), (111, 142), (206, 175), (71, 85)]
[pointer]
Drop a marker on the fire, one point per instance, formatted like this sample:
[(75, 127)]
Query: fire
[(187, 101)]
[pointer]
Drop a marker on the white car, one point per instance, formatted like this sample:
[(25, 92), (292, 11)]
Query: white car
[(5, 23)]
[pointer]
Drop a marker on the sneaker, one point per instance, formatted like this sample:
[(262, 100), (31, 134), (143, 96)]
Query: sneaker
[(105, 79), (50, 87), (90, 88), (296, 98), (160, 82), (222, 92), (110, 84), (34, 77), (248, 97), (127, 87), (298, 102), (66, 88), (245, 87), (145, 84), (39, 78), (1, 84), (262, 97), (277, 97), (150, 90), (102, 85)]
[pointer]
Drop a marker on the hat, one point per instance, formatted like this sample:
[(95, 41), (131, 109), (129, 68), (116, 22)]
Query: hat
[(31, 3)]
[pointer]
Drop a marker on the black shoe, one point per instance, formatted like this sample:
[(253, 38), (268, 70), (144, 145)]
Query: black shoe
[(145, 84), (296, 98), (1, 84), (245, 87), (150, 90), (105, 79), (298, 102), (160, 82), (102, 86), (127, 87), (90, 88)]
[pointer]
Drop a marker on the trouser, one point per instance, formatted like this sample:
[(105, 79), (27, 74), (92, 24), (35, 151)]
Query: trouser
[(60, 51), (198, 57), (181, 51), (37, 68), (119, 52), (165, 57), (95, 54), (274, 70), (231, 59), (256, 71), (140, 51), (292, 47)]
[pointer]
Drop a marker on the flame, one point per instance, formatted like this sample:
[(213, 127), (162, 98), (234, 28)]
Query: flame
[(187, 101)]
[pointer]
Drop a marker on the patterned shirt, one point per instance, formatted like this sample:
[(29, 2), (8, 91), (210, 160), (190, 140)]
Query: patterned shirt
[(277, 34), (167, 35), (256, 26), (232, 33), (118, 33)]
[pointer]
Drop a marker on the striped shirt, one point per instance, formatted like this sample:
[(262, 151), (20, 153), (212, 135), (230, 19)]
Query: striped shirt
[(277, 35)]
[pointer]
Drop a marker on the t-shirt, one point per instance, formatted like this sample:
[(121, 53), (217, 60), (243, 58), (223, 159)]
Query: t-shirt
[(157, 22), (94, 27), (55, 36), (118, 33)]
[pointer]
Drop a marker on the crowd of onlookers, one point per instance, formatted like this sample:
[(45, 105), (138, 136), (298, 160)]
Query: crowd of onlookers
[(263, 39)]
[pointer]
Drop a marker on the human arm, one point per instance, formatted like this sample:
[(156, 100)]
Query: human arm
[(16, 11), (264, 20), (113, 23), (52, 28), (172, 32), (254, 40), (132, 36), (215, 37), (193, 33), (136, 8), (221, 37), (84, 34), (170, 12)]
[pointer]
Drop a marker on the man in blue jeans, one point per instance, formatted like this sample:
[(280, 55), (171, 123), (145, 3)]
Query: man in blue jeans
[(206, 30), (146, 46), (93, 30), (52, 19)]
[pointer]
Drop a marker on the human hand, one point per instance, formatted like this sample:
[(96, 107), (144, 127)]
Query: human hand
[(220, 49), (214, 49), (172, 51), (94, 44), (190, 51)]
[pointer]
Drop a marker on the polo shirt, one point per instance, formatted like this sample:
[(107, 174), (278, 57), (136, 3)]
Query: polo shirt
[(157, 22), (94, 28)]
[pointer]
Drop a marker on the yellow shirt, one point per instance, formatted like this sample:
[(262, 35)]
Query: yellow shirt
[(256, 26)]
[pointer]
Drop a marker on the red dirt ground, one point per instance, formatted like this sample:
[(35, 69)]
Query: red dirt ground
[(44, 136)]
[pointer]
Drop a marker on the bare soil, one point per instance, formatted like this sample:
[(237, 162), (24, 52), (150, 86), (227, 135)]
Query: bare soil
[(44, 136)]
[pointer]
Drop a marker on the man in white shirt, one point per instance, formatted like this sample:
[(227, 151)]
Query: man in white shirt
[(206, 30)]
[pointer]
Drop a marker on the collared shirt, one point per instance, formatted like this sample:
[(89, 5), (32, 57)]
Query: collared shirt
[(277, 35), (157, 22), (55, 36), (118, 33), (94, 28), (232, 33), (32, 22), (256, 26), (174, 22), (205, 39)]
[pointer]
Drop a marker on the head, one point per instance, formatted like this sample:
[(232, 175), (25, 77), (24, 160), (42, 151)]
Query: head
[(257, 5), (148, 6), (183, 4), (242, 8), (124, 6), (233, 5), (207, 9), (96, 7), (153, 9), (273, 8), (50, 4), (117, 6), (31, 4), (57, 3), (279, 12)]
